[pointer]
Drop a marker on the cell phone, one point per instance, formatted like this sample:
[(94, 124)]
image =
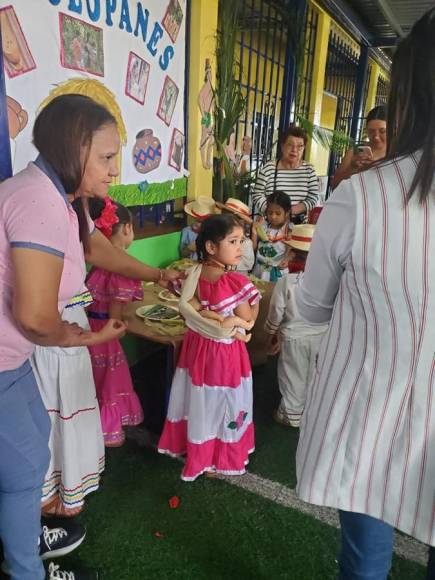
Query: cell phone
[(365, 150)]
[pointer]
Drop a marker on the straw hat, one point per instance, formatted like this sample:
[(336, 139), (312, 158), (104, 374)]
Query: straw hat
[(201, 207), (302, 236), (237, 207)]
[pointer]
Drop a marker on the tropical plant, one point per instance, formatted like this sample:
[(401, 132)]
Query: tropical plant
[(229, 102), (333, 140)]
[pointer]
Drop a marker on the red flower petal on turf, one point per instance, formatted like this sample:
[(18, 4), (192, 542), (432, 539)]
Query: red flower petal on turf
[(174, 502)]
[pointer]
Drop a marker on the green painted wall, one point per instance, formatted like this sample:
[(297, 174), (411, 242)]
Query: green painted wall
[(158, 251)]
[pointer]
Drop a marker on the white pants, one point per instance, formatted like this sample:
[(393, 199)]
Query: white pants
[(296, 368)]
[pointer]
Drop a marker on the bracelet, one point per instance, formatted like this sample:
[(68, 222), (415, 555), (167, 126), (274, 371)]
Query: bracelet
[(161, 275)]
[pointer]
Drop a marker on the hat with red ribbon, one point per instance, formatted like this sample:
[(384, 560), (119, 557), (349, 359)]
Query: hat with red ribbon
[(301, 237)]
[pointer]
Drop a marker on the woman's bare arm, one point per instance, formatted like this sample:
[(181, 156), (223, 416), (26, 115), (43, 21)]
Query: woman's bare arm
[(37, 276)]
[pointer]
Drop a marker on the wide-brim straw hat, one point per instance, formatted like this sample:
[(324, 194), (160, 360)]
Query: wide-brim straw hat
[(301, 237), (201, 207), (237, 207)]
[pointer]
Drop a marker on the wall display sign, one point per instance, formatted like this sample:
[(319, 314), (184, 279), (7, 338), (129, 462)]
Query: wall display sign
[(128, 55)]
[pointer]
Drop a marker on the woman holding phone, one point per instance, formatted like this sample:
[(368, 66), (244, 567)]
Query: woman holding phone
[(363, 155)]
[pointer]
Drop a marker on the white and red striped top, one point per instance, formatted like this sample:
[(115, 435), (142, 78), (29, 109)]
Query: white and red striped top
[(367, 440)]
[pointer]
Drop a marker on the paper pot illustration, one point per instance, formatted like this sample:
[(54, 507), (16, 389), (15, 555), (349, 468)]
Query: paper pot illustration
[(147, 151)]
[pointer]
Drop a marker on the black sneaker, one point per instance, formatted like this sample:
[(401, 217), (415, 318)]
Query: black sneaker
[(54, 572), (59, 541)]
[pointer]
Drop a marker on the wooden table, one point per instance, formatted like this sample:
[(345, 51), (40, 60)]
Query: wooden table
[(137, 327), (257, 344)]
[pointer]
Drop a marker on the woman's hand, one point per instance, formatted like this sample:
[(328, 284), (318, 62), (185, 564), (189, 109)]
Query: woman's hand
[(73, 335), (168, 276), (283, 264), (273, 344), (361, 160), (298, 208)]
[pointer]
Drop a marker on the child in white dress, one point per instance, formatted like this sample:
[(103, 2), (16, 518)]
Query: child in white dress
[(269, 237), (296, 341)]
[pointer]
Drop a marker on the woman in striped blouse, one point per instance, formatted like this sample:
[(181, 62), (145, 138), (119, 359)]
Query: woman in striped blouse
[(367, 441), (290, 174)]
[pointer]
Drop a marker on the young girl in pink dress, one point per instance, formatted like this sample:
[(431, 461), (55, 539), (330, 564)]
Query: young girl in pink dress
[(119, 404), (210, 409)]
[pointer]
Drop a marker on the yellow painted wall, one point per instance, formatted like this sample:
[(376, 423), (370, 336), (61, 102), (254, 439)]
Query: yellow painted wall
[(203, 26), (327, 120), (315, 153), (371, 93)]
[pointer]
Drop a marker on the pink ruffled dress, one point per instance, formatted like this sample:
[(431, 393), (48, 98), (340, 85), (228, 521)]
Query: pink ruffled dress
[(210, 409), (119, 404)]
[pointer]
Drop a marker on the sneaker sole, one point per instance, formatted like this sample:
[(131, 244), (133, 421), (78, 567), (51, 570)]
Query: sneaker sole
[(285, 423), (52, 554)]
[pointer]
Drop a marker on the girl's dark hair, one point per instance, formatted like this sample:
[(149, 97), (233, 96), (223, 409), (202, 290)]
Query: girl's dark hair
[(411, 104), (280, 198), (61, 130), (97, 205), (214, 229), (378, 113), (293, 131)]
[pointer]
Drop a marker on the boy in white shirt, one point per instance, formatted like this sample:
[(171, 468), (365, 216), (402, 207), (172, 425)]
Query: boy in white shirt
[(297, 342)]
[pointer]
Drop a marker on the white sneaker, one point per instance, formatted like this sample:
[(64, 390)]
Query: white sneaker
[(54, 572)]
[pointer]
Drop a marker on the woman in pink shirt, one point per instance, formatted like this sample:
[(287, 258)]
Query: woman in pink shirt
[(41, 269)]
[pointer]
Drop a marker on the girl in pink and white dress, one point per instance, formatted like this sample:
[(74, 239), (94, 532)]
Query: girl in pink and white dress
[(210, 409), (119, 404)]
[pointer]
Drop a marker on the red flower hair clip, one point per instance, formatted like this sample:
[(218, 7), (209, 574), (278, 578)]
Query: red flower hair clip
[(108, 218)]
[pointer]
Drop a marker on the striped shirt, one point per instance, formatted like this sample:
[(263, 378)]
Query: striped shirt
[(367, 441), (300, 184)]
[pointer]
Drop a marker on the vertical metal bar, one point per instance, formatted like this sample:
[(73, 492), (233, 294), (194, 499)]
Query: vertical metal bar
[(270, 101), (359, 89), (5, 148), (290, 81), (263, 85), (248, 82), (278, 76), (242, 37), (257, 70), (186, 84)]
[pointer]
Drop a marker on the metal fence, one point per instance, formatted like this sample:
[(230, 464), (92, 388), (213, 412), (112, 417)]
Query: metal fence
[(340, 78), (262, 54), (305, 74), (382, 90), (265, 27)]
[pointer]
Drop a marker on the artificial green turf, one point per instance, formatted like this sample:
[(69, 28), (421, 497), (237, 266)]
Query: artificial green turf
[(218, 531), (275, 445)]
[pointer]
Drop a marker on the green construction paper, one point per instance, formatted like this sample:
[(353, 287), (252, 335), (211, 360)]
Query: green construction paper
[(148, 193)]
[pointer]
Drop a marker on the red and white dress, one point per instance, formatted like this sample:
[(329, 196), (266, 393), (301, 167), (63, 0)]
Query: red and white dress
[(210, 409)]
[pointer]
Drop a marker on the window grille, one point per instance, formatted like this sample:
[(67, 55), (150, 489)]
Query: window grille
[(305, 75), (382, 90)]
